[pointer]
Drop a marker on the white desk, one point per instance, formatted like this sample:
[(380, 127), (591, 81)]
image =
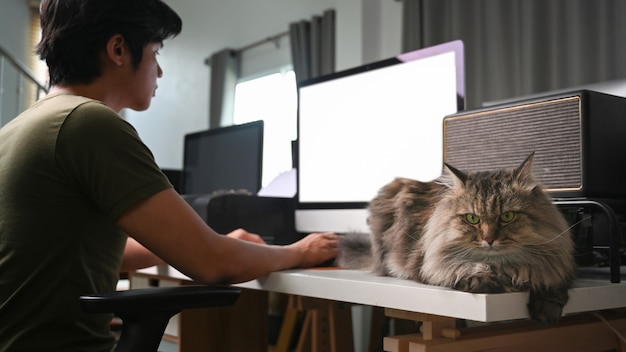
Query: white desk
[(438, 308), (363, 288)]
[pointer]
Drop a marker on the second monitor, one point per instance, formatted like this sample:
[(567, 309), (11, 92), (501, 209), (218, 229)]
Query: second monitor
[(225, 158)]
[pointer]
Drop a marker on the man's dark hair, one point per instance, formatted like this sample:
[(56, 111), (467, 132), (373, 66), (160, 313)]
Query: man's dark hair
[(75, 32)]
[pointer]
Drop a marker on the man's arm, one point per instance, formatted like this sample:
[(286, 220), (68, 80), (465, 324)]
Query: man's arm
[(166, 225), (137, 256)]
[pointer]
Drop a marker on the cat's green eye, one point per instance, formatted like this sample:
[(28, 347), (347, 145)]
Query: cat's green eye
[(472, 219), (507, 216)]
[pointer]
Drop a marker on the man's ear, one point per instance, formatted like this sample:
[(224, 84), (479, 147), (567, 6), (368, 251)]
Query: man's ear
[(116, 49)]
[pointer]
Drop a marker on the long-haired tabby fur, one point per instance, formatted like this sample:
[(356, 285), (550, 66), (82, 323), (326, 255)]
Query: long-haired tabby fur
[(481, 232)]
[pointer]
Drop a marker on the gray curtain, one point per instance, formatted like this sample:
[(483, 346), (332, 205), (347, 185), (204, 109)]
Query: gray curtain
[(520, 47), (224, 74), (411, 22), (313, 46)]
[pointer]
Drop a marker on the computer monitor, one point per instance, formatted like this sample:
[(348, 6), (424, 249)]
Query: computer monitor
[(359, 129), (223, 159)]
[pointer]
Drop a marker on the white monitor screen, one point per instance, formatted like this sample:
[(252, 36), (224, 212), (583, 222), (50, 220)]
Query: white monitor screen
[(361, 128)]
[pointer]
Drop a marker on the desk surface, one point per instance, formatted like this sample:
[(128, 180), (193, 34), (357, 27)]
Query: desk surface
[(360, 287)]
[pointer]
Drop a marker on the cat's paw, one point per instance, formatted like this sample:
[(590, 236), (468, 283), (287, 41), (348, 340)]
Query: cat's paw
[(479, 284), (545, 312), (545, 306)]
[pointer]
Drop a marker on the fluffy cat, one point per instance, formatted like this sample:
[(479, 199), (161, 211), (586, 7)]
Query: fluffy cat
[(480, 232)]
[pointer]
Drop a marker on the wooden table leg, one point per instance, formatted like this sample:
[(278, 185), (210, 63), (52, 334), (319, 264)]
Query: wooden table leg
[(327, 325), (340, 327), (575, 333), (291, 317), (376, 329)]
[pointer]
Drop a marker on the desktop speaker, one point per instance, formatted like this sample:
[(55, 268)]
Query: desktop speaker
[(579, 140)]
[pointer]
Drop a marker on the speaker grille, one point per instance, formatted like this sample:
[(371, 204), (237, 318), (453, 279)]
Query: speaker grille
[(504, 137)]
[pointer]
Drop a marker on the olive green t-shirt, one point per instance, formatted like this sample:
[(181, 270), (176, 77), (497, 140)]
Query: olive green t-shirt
[(69, 166)]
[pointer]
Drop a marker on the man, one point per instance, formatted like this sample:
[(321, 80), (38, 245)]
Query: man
[(81, 196)]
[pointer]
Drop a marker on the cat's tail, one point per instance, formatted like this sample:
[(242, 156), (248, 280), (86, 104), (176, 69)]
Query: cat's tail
[(355, 251)]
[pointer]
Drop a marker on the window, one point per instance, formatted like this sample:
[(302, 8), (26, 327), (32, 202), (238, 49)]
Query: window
[(38, 66), (273, 99)]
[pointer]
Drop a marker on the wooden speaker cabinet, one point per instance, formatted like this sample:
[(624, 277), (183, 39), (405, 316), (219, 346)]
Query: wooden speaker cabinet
[(579, 140)]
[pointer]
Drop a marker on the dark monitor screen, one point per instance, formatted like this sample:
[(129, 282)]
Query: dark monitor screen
[(225, 158)]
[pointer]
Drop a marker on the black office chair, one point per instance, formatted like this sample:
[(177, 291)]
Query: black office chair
[(146, 312)]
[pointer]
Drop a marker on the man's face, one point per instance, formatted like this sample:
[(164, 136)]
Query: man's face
[(143, 83)]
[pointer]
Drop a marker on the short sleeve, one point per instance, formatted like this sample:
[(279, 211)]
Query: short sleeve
[(104, 157)]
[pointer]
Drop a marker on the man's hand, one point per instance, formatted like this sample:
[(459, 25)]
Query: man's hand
[(316, 248), (244, 235)]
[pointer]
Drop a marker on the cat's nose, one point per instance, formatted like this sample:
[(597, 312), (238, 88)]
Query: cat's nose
[(489, 235)]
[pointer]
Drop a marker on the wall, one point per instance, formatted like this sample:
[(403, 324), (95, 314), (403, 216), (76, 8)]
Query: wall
[(181, 103), (14, 23)]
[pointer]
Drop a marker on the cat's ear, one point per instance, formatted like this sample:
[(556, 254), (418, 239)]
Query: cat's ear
[(524, 171), (458, 176), (524, 174)]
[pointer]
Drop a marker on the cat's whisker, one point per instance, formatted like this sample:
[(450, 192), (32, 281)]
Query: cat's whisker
[(411, 237), (564, 232), (460, 252), (537, 249), (545, 253)]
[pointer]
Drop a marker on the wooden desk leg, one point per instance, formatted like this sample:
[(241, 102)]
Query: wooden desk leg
[(320, 330), (575, 333), (290, 320), (400, 343), (341, 335), (433, 327), (241, 327), (305, 342), (376, 329), (327, 326)]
